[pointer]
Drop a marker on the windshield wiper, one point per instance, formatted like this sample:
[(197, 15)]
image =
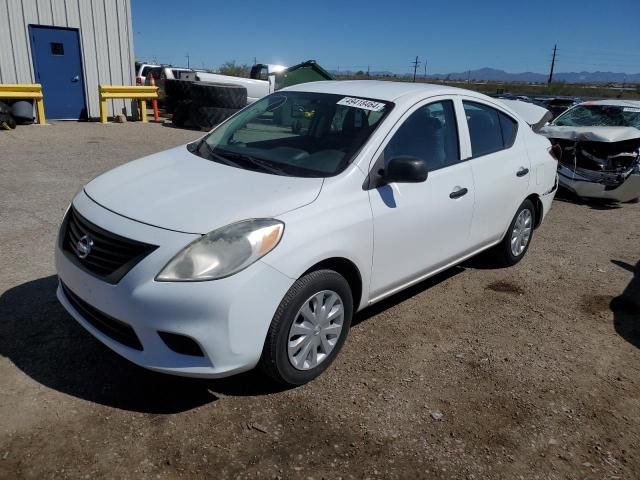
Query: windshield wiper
[(264, 165), (212, 153)]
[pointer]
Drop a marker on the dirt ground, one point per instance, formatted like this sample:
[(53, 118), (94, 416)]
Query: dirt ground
[(531, 372)]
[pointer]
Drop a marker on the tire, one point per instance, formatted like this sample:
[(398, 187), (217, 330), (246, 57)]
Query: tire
[(503, 254), (276, 361), (22, 111), (7, 122), (219, 95), (175, 91), (207, 117), (181, 113)]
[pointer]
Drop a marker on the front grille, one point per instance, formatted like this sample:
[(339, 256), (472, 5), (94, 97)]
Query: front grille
[(110, 257), (115, 329)]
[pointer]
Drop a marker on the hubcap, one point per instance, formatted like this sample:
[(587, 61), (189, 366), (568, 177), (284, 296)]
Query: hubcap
[(521, 232), (315, 330)]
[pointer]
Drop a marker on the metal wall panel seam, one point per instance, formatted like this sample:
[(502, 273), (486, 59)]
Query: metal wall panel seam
[(13, 52), (27, 46)]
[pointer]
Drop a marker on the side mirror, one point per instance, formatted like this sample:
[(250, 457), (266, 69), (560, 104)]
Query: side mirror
[(405, 170)]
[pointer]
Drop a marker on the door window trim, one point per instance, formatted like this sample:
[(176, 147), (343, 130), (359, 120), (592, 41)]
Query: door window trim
[(378, 155), (495, 107)]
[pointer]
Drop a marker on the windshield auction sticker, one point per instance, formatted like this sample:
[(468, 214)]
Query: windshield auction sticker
[(361, 103)]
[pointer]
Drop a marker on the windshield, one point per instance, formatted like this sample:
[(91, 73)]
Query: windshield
[(600, 116), (295, 133)]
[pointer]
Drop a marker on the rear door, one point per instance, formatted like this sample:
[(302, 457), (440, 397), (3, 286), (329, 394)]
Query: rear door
[(500, 166), (421, 227), (57, 66)]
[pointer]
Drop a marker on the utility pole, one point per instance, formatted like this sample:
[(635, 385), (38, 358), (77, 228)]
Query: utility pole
[(553, 64), (188, 65), (425, 69), (415, 67), (255, 60), (367, 71)]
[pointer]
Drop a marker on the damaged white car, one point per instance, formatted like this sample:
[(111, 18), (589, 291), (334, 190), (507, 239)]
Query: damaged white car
[(600, 143)]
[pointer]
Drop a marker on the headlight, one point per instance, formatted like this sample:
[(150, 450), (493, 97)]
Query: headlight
[(224, 251)]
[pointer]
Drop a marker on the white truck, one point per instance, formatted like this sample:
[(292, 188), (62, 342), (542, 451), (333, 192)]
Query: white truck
[(264, 78)]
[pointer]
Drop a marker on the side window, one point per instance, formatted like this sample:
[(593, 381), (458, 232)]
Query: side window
[(490, 130), (430, 133), (509, 129)]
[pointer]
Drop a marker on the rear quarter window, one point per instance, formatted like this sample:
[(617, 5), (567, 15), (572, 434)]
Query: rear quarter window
[(489, 129), (509, 129)]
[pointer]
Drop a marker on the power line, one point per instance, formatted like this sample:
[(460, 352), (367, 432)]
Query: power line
[(609, 53)]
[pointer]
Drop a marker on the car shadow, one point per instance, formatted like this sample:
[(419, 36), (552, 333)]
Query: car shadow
[(567, 196), (47, 344), (626, 306), (393, 300)]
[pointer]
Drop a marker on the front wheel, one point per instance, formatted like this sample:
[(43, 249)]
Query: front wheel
[(308, 329), (516, 242)]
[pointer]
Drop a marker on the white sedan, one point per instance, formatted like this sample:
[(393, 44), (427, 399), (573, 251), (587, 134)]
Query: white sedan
[(255, 245)]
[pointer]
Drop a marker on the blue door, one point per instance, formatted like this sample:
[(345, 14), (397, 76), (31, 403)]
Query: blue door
[(57, 65)]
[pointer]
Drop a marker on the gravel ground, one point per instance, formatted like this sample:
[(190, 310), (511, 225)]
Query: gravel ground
[(527, 372)]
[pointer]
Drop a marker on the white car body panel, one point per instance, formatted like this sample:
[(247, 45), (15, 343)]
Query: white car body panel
[(180, 191), (394, 235), (535, 115)]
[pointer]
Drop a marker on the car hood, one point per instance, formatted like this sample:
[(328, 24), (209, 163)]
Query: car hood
[(591, 134), (180, 191)]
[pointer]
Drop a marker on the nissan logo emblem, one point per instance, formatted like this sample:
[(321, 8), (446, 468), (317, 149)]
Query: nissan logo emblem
[(84, 246)]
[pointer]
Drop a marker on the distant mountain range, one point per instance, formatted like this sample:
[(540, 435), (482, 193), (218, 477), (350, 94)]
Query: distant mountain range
[(495, 75)]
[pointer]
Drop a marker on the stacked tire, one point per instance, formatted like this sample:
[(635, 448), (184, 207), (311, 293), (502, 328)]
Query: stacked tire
[(7, 120), (203, 104)]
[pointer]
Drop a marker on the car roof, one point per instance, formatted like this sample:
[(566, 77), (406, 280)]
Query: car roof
[(380, 89), (614, 103)]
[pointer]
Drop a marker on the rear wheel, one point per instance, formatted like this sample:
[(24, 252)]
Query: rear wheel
[(308, 329), (516, 242)]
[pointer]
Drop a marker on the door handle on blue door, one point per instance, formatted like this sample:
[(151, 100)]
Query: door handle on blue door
[(460, 192), (522, 172)]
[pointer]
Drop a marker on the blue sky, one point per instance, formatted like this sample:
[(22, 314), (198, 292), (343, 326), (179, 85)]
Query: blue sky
[(453, 35)]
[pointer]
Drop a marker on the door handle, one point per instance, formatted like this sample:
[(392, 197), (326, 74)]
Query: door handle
[(522, 172), (460, 192)]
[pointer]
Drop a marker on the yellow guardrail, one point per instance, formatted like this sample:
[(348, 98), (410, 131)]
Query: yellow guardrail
[(18, 91), (108, 92)]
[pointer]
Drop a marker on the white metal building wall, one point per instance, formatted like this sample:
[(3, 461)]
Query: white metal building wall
[(106, 41)]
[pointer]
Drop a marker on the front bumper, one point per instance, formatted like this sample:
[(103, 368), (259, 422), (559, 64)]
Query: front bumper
[(228, 318), (625, 192)]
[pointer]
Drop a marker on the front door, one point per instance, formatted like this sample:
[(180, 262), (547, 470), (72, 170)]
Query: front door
[(422, 227), (57, 64)]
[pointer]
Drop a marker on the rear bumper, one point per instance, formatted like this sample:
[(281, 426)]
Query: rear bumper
[(228, 319)]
